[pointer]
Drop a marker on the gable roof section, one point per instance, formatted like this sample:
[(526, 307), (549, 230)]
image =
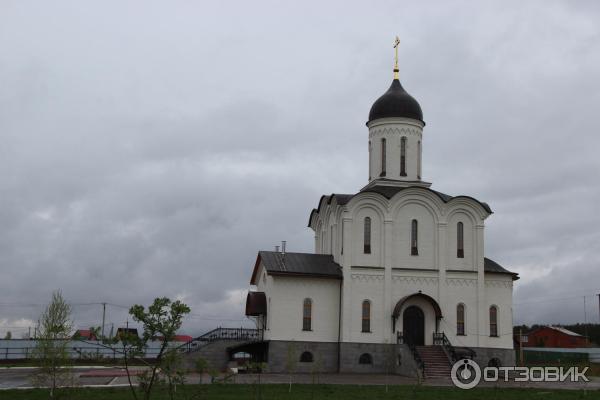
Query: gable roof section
[(565, 331), (493, 267), (388, 192), (297, 264), (555, 328)]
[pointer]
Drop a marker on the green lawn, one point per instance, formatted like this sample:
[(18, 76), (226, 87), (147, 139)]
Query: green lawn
[(312, 392)]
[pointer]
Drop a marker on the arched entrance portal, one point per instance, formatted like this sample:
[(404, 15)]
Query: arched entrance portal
[(413, 322), (420, 315)]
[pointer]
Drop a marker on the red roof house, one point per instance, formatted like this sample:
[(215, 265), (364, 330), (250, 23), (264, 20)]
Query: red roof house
[(85, 334), (554, 336)]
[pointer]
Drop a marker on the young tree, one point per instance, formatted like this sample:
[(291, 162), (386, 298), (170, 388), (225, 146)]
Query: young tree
[(8, 335), (50, 352), (161, 321), (290, 363)]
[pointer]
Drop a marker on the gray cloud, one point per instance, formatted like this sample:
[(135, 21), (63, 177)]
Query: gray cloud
[(151, 149)]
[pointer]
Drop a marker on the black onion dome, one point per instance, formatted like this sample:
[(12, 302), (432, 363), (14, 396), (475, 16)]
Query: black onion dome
[(396, 102)]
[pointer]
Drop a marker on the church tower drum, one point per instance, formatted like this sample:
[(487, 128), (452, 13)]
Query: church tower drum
[(395, 137)]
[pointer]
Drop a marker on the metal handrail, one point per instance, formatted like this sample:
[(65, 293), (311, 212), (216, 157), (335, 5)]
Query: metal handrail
[(440, 339), (223, 334), (413, 350), (417, 357)]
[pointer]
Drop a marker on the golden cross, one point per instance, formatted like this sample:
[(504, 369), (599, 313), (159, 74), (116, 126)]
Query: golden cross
[(396, 44)]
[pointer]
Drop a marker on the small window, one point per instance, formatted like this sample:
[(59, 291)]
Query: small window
[(307, 315), (306, 357), (494, 321), (370, 160), (367, 236), (460, 319), (342, 240), (419, 159), (403, 156), (383, 161), (460, 244), (414, 244), (366, 316), (365, 358)]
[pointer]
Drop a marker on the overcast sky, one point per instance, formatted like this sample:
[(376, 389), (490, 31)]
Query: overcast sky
[(151, 148)]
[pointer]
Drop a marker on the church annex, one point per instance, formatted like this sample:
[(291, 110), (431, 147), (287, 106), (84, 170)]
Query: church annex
[(398, 282)]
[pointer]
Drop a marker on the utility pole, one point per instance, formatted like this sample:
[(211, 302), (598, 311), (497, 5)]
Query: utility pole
[(521, 346), (103, 318), (598, 306)]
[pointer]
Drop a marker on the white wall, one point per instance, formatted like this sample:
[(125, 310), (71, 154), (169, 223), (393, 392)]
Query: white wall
[(287, 295), (367, 285), (498, 291), (461, 288)]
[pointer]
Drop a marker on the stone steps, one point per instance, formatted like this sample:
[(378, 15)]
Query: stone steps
[(436, 364)]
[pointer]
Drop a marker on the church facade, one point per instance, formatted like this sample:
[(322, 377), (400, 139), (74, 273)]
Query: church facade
[(398, 270)]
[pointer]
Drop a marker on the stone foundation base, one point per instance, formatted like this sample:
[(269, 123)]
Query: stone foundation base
[(488, 356), (284, 355), (328, 357)]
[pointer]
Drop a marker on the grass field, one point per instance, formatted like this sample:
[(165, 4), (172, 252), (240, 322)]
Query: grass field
[(312, 392)]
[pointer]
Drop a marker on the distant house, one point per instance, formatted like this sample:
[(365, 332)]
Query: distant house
[(182, 338), (84, 334), (554, 336), (121, 332)]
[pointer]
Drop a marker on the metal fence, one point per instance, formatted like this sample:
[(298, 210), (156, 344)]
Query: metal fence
[(584, 354), (22, 349)]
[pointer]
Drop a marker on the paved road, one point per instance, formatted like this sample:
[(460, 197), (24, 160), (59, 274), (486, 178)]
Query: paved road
[(21, 377)]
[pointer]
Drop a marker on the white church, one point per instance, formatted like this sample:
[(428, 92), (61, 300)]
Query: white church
[(398, 281)]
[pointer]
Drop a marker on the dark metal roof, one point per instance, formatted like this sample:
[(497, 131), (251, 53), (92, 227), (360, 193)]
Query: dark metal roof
[(494, 267), (305, 264), (396, 102), (388, 192), (256, 304)]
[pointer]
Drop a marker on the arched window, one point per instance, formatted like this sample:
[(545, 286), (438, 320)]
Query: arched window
[(306, 357), (307, 315), (460, 319), (366, 316), (414, 240), (370, 155), (365, 358), (419, 159), (367, 236), (403, 156), (494, 321), (460, 244), (383, 161)]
